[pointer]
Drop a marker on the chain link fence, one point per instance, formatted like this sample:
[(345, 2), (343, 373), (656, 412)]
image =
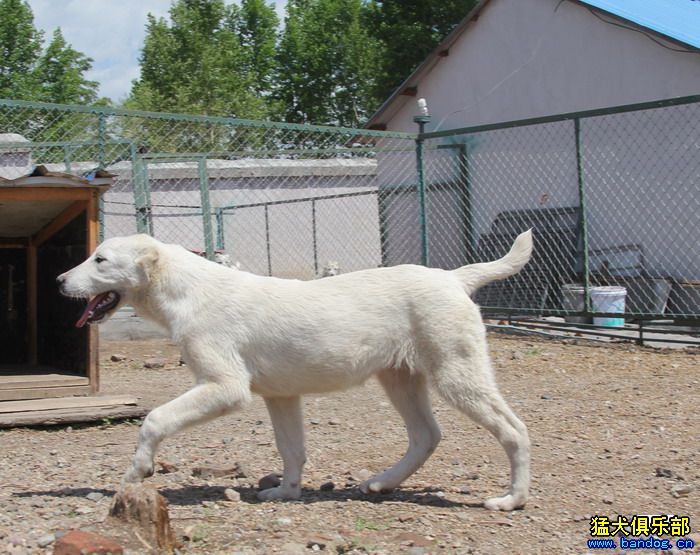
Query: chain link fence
[(613, 197)]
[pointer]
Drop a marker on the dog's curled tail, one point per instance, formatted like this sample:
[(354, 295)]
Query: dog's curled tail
[(474, 276)]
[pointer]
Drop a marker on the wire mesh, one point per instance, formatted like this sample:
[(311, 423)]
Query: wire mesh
[(613, 197)]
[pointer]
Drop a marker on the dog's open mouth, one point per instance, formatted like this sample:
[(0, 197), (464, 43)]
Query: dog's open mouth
[(98, 307)]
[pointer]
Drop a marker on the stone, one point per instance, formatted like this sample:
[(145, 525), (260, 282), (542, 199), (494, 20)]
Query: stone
[(272, 480), (363, 475), (232, 495), (143, 506), (166, 467), (154, 363), (663, 472), (327, 486), (46, 540), (117, 357), (317, 543), (78, 542), (95, 496), (210, 472), (681, 490)]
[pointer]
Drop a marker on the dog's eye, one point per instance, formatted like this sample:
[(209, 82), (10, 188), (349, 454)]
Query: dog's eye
[(99, 259)]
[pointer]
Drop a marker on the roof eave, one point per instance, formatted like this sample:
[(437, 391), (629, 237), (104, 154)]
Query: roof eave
[(389, 108)]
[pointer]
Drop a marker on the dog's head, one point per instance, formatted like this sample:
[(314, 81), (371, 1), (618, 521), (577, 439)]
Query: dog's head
[(117, 270)]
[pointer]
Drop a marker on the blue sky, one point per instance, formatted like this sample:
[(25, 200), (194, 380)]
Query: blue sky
[(109, 32)]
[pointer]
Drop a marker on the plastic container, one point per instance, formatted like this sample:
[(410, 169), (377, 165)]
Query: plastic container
[(609, 298), (572, 298)]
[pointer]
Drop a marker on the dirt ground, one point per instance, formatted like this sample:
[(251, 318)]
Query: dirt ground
[(614, 431)]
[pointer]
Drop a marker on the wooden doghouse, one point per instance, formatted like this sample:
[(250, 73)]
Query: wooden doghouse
[(49, 222)]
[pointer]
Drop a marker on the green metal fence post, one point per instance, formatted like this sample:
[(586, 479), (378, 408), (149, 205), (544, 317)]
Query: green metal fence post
[(102, 161), (267, 241), (139, 177), (314, 237), (220, 238), (206, 208), (422, 201), (102, 139), (584, 218), (465, 193)]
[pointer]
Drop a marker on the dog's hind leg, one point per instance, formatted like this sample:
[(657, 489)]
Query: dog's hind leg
[(475, 394), (288, 424), (200, 404), (408, 393)]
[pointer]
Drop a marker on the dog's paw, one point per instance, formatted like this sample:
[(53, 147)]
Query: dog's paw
[(136, 476), (506, 503), (132, 477), (279, 493), (375, 486)]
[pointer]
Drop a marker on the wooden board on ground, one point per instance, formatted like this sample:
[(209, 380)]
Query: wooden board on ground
[(65, 410), (21, 381)]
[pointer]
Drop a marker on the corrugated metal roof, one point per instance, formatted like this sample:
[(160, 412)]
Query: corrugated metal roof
[(677, 19)]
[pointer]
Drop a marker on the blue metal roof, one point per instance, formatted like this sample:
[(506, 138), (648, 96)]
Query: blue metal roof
[(677, 19)]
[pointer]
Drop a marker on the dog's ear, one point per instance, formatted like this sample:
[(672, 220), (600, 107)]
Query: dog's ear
[(148, 263)]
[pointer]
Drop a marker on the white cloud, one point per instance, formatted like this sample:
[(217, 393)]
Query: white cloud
[(109, 32)]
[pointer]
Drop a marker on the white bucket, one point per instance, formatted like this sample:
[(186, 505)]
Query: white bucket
[(608, 299)]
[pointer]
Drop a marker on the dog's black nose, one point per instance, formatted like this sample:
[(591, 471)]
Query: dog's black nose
[(60, 279)]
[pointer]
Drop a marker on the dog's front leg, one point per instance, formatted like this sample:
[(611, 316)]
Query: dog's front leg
[(200, 404), (288, 424)]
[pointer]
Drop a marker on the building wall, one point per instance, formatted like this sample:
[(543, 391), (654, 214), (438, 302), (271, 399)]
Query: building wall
[(530, 58)]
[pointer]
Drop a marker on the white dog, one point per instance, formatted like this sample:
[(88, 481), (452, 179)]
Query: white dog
[(242, 333)]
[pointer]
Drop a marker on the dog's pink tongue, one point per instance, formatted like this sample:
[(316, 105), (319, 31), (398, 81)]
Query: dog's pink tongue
[(89, 309)]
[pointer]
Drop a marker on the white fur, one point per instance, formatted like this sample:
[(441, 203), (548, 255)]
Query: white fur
[(241, 333)]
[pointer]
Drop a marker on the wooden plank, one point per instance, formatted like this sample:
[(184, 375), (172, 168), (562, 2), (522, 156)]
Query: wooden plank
[(43, 194), (59, 222), (13, 242), (40, 380), (32, 303), (67, 403), (68, 416), (42, 392), (93, 233)]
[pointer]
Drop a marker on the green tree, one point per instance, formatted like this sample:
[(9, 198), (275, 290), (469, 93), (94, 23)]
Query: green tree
[(195, 63), (257, 24), (20, 47), (61, 74), (408, 30), (326, 62)]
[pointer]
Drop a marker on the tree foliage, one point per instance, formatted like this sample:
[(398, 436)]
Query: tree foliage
[(326, 62), (61, 74), (408, 30), (27, 73), (332, 62), (20, 48), (197, 63)]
